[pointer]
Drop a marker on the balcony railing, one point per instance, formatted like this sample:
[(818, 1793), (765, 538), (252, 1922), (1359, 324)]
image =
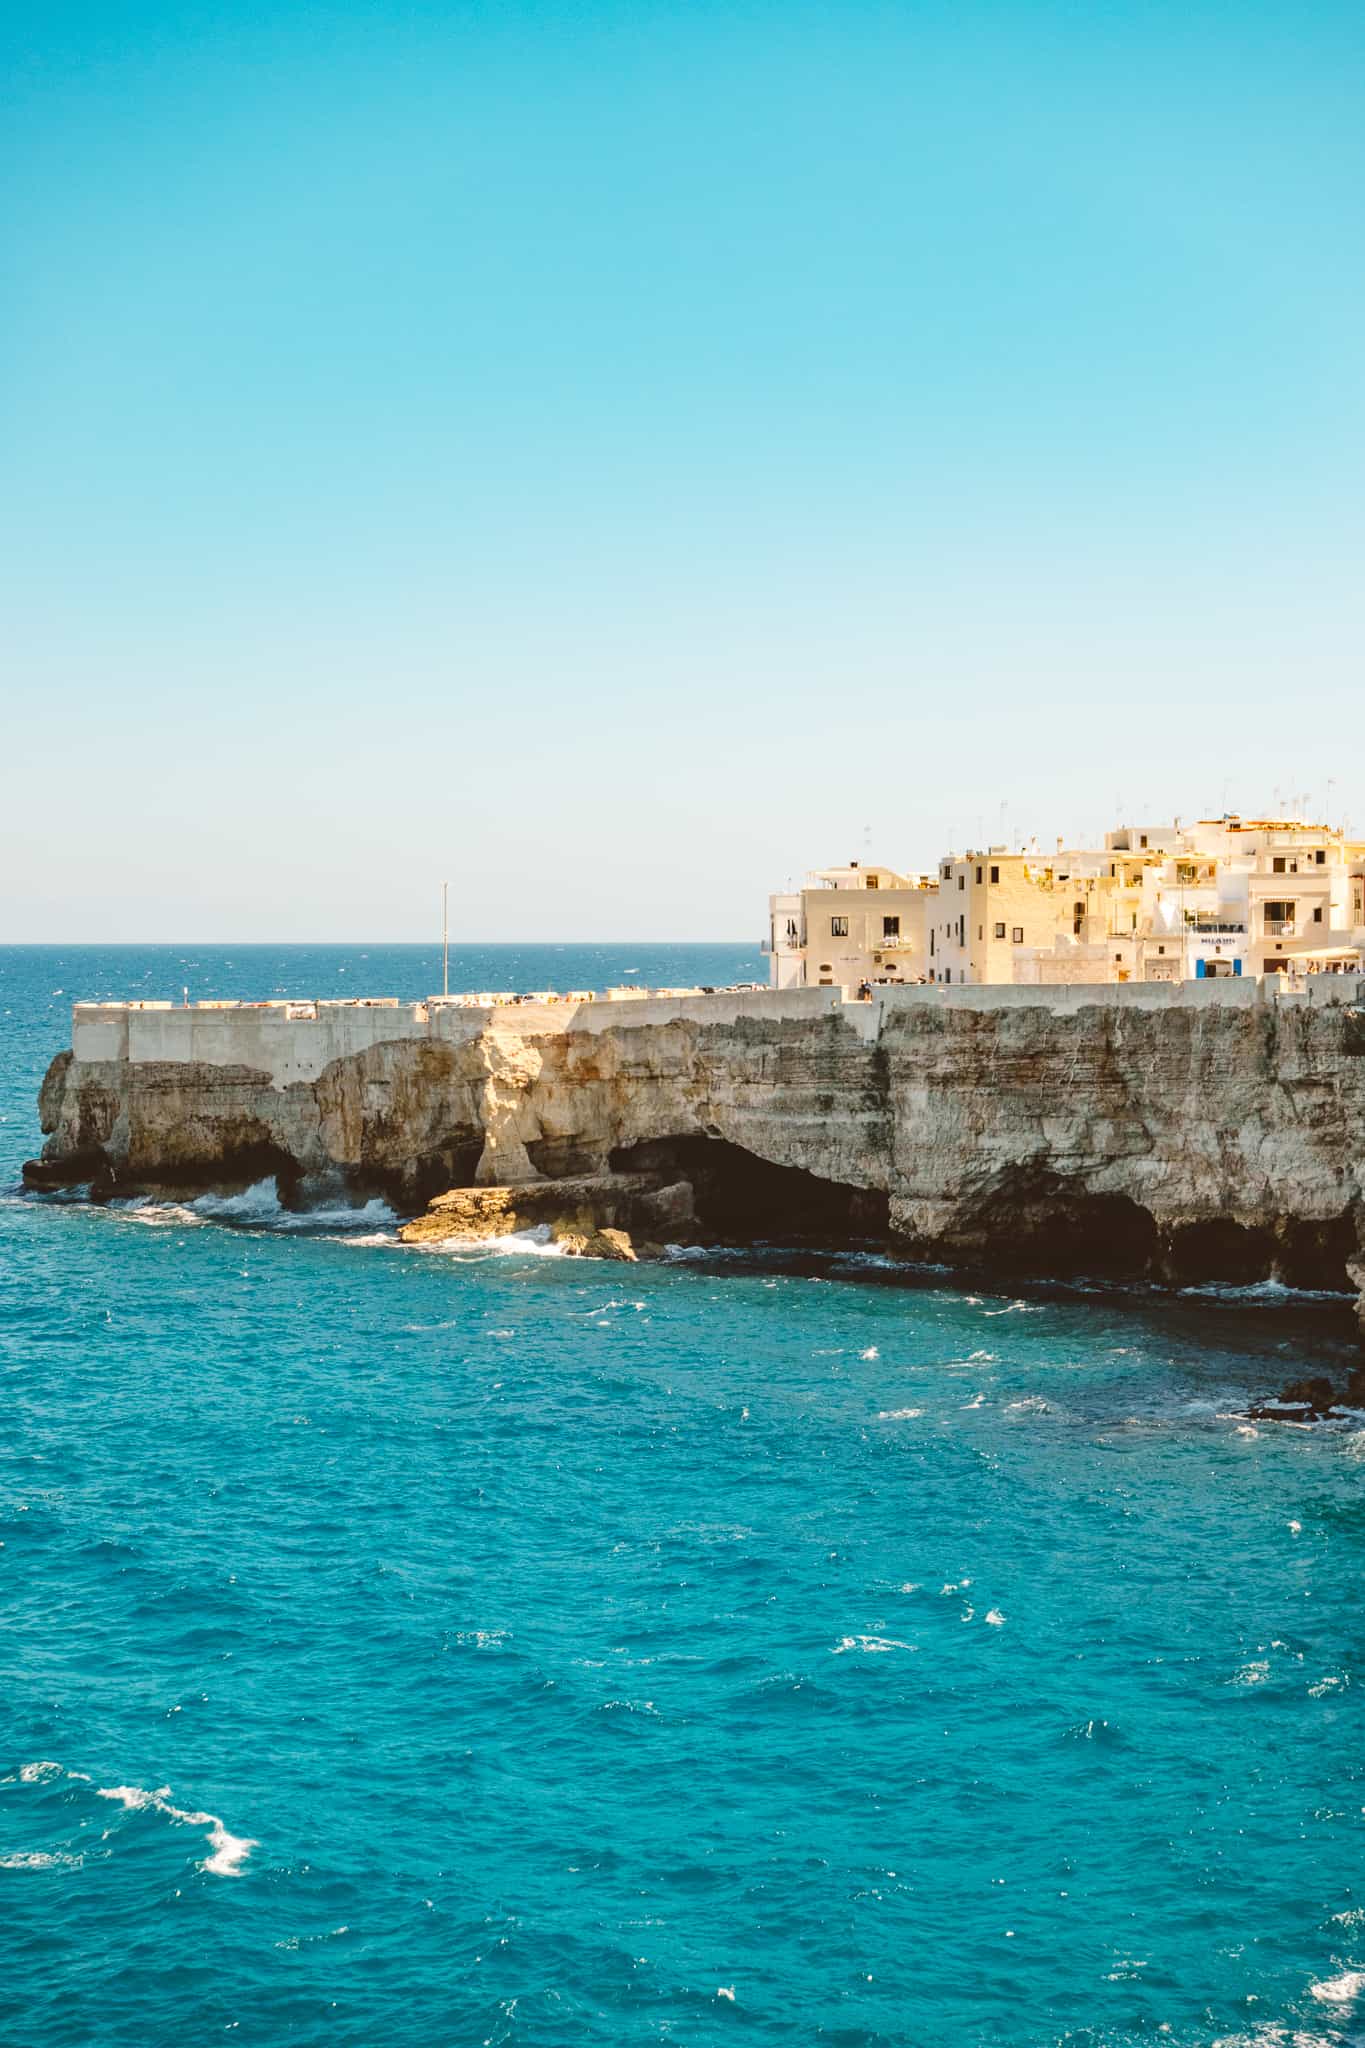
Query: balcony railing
[(1279, 927)]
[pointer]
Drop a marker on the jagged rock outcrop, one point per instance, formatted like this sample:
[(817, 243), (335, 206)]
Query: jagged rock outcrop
[(598, 1215), (1211, 1139)]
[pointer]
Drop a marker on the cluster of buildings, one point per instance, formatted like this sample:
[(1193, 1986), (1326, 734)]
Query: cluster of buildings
[(1174, 902)]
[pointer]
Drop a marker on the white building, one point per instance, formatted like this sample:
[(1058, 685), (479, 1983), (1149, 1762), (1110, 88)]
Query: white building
[(1162, 902)]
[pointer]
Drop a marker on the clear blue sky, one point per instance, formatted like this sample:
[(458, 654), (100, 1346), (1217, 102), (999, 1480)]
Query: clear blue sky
[(614, 454)]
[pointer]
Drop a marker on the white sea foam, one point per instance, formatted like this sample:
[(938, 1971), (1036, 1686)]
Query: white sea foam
[(869, 1646), (260, 1204), (255, 1208), (1268, 2035), (1257, 1672), (132, 1797), (293, 1942), (229, 1851), (1267, 1292), (369, 1216), (534, 1243), (1340, 1991), (156, 1215), (995, 1617), (899, 1414), (871, 1352)]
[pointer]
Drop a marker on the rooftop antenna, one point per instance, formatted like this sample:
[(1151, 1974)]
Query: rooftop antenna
[(445, 938)]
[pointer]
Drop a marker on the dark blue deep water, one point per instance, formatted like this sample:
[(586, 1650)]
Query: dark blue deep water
[(408, 1648)]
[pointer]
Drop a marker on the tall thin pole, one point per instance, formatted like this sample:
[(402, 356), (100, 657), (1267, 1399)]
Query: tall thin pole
[(445, 938)]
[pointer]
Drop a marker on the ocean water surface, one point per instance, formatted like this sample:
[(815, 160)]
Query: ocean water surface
[(416, 1647)]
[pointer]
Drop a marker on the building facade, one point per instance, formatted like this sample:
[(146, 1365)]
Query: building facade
[(1170, 902)]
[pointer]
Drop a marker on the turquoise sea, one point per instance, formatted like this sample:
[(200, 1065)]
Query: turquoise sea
[(405, 1648)]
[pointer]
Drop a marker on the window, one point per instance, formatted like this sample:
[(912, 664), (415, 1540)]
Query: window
[(1077, 915), (1320, 857), (999, 931), (838, 927), (931, 945), (1277, 864), (947, 974), (891, 927), (1143, 840), (978, 878), (995, 875), (1279, 913), (872, 882), (1317, 915), (1018, 935), (962, 931), (980, 931)]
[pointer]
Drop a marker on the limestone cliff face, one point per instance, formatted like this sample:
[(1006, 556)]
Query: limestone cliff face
[(1209, 1139)]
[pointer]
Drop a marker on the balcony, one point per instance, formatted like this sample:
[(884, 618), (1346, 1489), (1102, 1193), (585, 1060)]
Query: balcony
[(1279, 927)]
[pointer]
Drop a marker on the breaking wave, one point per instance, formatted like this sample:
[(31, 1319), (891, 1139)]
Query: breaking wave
[(257, 1207), (228, 1852), (1269, 1293), (537, 1242)]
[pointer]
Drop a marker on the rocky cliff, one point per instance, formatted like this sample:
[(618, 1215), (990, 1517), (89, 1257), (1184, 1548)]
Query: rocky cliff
[(1212, 1139)]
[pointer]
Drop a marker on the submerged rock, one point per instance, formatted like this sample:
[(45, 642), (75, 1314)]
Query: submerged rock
[(1310, 1400)]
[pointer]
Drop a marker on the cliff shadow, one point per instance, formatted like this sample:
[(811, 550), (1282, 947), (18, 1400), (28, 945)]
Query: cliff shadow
[(742, 1199)]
